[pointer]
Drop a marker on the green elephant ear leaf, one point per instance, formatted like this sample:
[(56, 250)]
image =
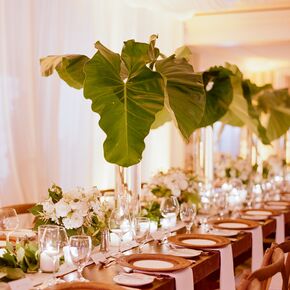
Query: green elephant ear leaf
[(70, 68), (185, 94), (276, 103), (161, 118), (127, 107), (241, 111), (218, 97)]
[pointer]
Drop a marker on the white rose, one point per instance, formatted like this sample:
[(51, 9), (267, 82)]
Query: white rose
[(62, 208)]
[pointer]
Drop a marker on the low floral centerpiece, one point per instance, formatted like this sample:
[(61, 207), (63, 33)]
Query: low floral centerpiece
[(181, 184), (79, 211), (273, 166), (228, 168)]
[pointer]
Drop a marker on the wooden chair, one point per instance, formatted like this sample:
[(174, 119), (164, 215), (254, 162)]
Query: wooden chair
[(261, 278), (27, 219), (21, 208), (285, 247), (84, 286)]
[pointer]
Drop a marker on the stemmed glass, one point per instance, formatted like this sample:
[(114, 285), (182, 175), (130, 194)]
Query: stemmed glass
[(49, 244), (187, 215), (169, 209), (80, 251), (9, 221), (119, 224), (141, 231)]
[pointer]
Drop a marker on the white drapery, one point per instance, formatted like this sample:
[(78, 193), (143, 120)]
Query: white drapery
[(47, 130)]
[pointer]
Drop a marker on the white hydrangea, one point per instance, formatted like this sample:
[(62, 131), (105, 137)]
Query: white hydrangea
[(62, 208), (74, 221), (48, 206), (82, 207)]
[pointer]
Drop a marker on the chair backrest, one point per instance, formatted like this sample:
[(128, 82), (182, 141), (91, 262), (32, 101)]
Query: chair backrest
[(21, 208), (27, 219), (285, 247), (261, 278), (84, 286)]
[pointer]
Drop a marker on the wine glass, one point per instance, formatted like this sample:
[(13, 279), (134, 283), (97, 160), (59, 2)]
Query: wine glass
[(119, 224), (9, 221), (187, 215), (169, 209), (141, 231), (49, 245), (80, 251)]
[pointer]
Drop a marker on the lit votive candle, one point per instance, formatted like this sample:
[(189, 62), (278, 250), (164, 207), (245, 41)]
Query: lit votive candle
[(49, 261)]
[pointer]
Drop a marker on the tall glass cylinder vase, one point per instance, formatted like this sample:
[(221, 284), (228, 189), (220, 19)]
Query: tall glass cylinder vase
[(193, 154), (208, 155), (128, 187)]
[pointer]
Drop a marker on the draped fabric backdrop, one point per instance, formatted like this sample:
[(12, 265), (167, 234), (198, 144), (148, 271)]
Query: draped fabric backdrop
[(47, 130)]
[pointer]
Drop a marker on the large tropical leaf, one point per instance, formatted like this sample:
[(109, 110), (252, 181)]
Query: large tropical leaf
[(127, 107), (241, 111), (69, 67), (276, 103), (219, 94), (185, 94), (161, 118)]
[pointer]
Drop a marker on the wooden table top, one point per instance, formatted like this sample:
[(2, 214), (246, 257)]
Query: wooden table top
[(203, 266)]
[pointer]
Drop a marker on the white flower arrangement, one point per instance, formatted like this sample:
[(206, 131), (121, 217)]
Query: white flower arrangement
[(227, 167), (174, 182), (78, 211), (273, 166)]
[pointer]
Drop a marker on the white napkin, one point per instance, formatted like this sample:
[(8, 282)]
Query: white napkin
[(227, 276), (257, 247), (276, 282), (183, 278), (280, 228)]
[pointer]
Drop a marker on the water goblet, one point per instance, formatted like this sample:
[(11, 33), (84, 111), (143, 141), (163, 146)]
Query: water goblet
[(141, 231), (119, 224), (169, 209), (80, 250), (187, 215), (9, 221)]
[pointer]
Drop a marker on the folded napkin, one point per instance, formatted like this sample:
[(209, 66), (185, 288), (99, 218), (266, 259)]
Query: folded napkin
[(276, 282), (280, 228), (227, 276), (183, 278), (257, 247)]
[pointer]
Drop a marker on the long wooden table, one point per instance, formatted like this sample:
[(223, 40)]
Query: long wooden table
[(205, 268)]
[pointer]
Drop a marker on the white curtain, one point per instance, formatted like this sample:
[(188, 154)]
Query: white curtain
[(48, 132)]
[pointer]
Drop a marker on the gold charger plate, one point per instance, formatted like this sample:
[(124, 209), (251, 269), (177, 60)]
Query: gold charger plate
[(199, 241), (260, 211), (229, 224), (278, 202), (154, 262)]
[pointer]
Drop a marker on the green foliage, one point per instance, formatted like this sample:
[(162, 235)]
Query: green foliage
[(276, 104), (69, 68), (152, 211), (128, 90), (184, 93), (19, 259), (218, 97), (241, 110)]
